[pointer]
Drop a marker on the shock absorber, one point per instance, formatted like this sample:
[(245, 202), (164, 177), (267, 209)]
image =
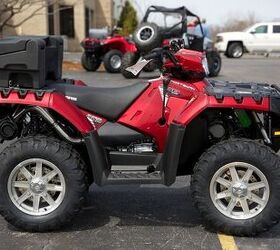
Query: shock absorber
[(261, 127)]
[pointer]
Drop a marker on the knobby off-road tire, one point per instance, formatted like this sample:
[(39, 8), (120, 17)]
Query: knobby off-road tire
[(129, 59), (147, 37), (90, 63), (112, 61), (215, 188), (214, 63), (46, 170)]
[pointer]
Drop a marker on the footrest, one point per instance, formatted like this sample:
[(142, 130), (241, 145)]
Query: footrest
[(137, 177)]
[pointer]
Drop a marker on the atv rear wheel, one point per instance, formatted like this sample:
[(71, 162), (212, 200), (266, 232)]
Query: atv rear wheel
[(112, 61), (147, 37), (90, 62), (214, 63), (129, 59), (43, 183), (236, 187)]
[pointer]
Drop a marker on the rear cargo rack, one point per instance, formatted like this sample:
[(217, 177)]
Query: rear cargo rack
[(28, 62), (239, 90)]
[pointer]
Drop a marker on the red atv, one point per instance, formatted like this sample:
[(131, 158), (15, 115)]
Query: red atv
[(109, 50), (67, 136)]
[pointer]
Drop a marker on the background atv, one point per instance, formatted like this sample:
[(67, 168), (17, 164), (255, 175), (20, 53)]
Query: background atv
[(109, 50), (160, 24)]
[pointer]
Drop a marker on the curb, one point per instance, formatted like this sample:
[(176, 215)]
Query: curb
[(76, 66)]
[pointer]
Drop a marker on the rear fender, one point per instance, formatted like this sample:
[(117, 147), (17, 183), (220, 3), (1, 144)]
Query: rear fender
[(50, 100)]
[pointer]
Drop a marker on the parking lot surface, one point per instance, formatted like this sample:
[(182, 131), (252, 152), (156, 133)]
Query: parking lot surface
[(148, 216)]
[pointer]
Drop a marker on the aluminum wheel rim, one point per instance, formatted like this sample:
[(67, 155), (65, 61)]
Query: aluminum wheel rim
[(145, 34), (36, 187), (239, 190), (237, 52), (116, 61)]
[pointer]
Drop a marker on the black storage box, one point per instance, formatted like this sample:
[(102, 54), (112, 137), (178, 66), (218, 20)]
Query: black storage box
[(28, 62)]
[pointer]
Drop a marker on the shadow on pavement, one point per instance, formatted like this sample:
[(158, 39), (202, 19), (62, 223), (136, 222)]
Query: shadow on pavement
[(132, 205), (135, 206)]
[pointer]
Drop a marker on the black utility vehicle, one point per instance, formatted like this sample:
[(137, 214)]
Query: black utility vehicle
[(161, 24)]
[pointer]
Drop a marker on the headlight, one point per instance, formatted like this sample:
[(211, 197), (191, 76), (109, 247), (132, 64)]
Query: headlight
[(205, 65), (219, 39)]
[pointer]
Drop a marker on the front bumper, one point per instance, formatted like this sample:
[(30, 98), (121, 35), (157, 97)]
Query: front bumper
[(221, 46)]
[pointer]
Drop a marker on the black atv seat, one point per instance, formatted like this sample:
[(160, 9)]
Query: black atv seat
[(109, 103)]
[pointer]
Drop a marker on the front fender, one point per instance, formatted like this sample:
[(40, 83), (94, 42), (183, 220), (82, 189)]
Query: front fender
[(202, 101)]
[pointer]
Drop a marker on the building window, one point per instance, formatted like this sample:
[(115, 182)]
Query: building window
[(67, 21), (51, 19), (88, 20)]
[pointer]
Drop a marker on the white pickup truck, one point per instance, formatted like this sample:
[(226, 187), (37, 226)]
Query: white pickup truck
[(260, 38)]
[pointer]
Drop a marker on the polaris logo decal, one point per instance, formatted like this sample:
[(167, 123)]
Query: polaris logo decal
[(183, 85), (94, 119), (71, 98)]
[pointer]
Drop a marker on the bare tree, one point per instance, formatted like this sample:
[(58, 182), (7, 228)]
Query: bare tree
[(235, 24), (12, 8)]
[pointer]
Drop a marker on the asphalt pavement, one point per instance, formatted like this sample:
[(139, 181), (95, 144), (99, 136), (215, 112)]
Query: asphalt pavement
[(147, 216)]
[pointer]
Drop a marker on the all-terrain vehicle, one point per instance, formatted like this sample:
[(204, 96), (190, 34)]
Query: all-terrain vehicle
[(64, 136), (161, 24), (108, 50)]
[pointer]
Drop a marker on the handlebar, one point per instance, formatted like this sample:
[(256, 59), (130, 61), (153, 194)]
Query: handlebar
[(155, 54), (160, 53)]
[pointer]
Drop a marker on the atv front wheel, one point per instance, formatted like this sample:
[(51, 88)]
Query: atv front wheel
[(236, 187), (112, 61), (42, 183), (129, 59), (90, 62), (214, 63)]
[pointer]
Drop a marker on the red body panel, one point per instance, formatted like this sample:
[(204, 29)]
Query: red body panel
[(185, 101), (146, 111), (54, 101)]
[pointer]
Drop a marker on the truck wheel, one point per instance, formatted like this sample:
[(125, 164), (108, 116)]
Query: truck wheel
[(147, 37), (112, 61), (42, 182), (235, 50), (214, 63), (129, 59), (236, 187), (90, 62)]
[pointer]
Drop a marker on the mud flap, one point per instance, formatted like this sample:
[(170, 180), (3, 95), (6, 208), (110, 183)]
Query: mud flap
[(98, 158), (170, 159)]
